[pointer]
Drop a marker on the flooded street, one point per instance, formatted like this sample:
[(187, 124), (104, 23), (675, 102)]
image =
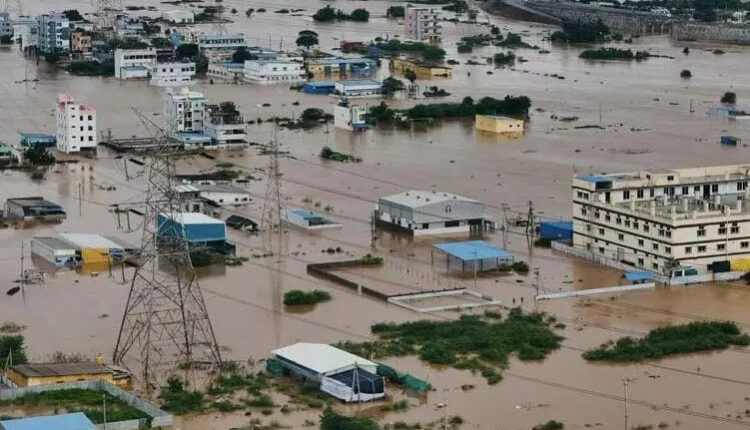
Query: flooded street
[(643, 109)]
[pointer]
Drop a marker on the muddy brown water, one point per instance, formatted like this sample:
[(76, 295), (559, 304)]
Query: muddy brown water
[(644, 108)]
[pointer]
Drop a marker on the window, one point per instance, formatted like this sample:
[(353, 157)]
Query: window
[(744, 244), (596, 214), (646, 228), (735, 228), (639, 194), (626, 195), (714, 188), (651, 192), (697, 189), (627, 223), (655, 246), (601, 250), (721, 246), (741, 186), (618, 220), (701, 231), (607, 218), (601, 232), (661, 232), (583, 211), (588, 227), (621, 237), (640, 262), (425, 225), (702, 248), (668, 249), (655, 266), (670, 178), (685, 191), (688, 250), (635, 225), (640, 242), (722, 229)]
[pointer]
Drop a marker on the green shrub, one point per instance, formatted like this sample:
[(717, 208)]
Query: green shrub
[(178, 400), (613, 54), (729, 98), (299, 297), (550, 425), (332, 420)]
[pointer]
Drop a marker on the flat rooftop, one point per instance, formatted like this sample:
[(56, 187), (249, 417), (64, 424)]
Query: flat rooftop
[(473, 250), (192, 218), (416, 198), (31, 370), (32, 202), (72, 421), (55, 243), (320, 358), (678, 209), (358, 82), (87, 240)]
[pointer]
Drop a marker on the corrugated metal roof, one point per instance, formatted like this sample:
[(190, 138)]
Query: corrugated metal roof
[(60, 369), (86, 240), (192, 218), (55, 243), (186, 189), (320, 358), (74, 421), (473, 250), (419, 198)]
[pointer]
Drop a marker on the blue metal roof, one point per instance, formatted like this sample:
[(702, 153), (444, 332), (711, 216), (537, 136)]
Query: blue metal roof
[(473, 250), (594, 178), (74, 421), (321, 84), (349, 82), (37, 136), (305, 214), (639, 275)]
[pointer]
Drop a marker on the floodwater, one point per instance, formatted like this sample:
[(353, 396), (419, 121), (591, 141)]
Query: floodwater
[(644, 108)]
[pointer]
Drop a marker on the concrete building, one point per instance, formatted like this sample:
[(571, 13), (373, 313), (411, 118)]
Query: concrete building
[(190, 199), (423, 70), (31, 208), (225, 128), (195, 228), (223, 195), (6, 25), (358, 67), (134, 63), (76, 126), (498, 124), (221, 42), (55, 251), (358, 88), (432, 213), (33, 374), (266, 72), (659, 219), (178, 16), (422, 24), (184, 111), (71, 421), (53, 33), (348, 116), (172, 74), (337, 370), (80, 42), (226, 71), (309, 220)]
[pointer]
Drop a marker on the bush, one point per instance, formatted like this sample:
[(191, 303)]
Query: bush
[(369, 260), (91, 68), (179, 401), (391, 85), (325, 14), (299, 297), (13, 346), (328, 154), (613, 54), (581, 32), (201, 258), (667, 341), (38, 155), (395, 12), (360, 15), (313, 114), (686, 74), (504, 59), (433, 53), (550, 425), (729, 98), (520, 266), (332, 420)]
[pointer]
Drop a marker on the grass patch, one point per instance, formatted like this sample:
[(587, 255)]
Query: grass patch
[(332, 420), (477, 343), (79, 400), (550, 425), (299, 297), (663, 342), (370, 260), (329, 154), (178, 400)]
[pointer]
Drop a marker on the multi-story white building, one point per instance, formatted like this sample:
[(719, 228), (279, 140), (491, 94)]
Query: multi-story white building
[(225, 128), (53, 33), (266, 72), (172, 74), (134, 63), (422, 23), (184, 111), (660, 219), (226, 42), (178, 16), (6, 25), (348, 116), (76, 125)]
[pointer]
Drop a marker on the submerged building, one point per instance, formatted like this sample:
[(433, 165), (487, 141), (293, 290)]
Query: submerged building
[(33, 208), (660, 219), (432, 213)]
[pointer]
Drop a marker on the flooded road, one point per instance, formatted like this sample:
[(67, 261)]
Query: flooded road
[(644, 108)]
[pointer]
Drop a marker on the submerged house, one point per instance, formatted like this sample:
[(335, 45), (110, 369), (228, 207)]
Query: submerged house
[(31, 208), (341, 374)]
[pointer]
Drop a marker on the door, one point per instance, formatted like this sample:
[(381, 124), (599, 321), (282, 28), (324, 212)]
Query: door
[(706, 191)]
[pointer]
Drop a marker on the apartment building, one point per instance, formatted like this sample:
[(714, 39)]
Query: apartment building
[(76, 125), (184, 111), (172, 74), (225, 126), (266, 72), (225, 42), (6, 25), (659, 219), (422, 24), (80, 42), (134, 63), (53, 33)]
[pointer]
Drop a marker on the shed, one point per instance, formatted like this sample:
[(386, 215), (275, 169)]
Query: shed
[(195, 228), (556, 230), (31, 374), (33, 208), (310, 220), (472, 255), (72, 421)]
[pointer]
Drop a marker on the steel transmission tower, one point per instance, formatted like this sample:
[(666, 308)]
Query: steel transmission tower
[(106, 10), (274, 205), (165, 322)]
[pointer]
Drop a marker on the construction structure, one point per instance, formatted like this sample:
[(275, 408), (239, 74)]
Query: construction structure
[(660, 219), (423, 213), (165, 323), (343, 375)]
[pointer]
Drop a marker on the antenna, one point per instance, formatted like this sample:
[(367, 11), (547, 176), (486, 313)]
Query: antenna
[(165, 321)]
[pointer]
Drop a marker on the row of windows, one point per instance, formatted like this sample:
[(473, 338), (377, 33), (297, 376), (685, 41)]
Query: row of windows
[(668, 191), (628, 223)]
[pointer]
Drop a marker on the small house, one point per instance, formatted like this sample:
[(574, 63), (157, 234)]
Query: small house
[(341, 374), (33, 374), (223, 195), (31, 208), (197, 229), (498, 124)]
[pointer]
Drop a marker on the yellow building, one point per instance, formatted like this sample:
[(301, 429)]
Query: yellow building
[(423, 70), (498, 124), (32, 374)]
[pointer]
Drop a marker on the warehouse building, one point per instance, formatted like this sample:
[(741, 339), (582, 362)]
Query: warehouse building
[(343, 375), (341, 66), (424, 70), (61, 254), (432, 213), (472, 255), (33, 208), (197, 229), (358, 88), (660, 219)]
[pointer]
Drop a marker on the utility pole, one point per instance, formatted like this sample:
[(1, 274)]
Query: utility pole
[(165, 324), (530, 220), (104, 410), (80, 201), (505, 225), (625, 403)]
